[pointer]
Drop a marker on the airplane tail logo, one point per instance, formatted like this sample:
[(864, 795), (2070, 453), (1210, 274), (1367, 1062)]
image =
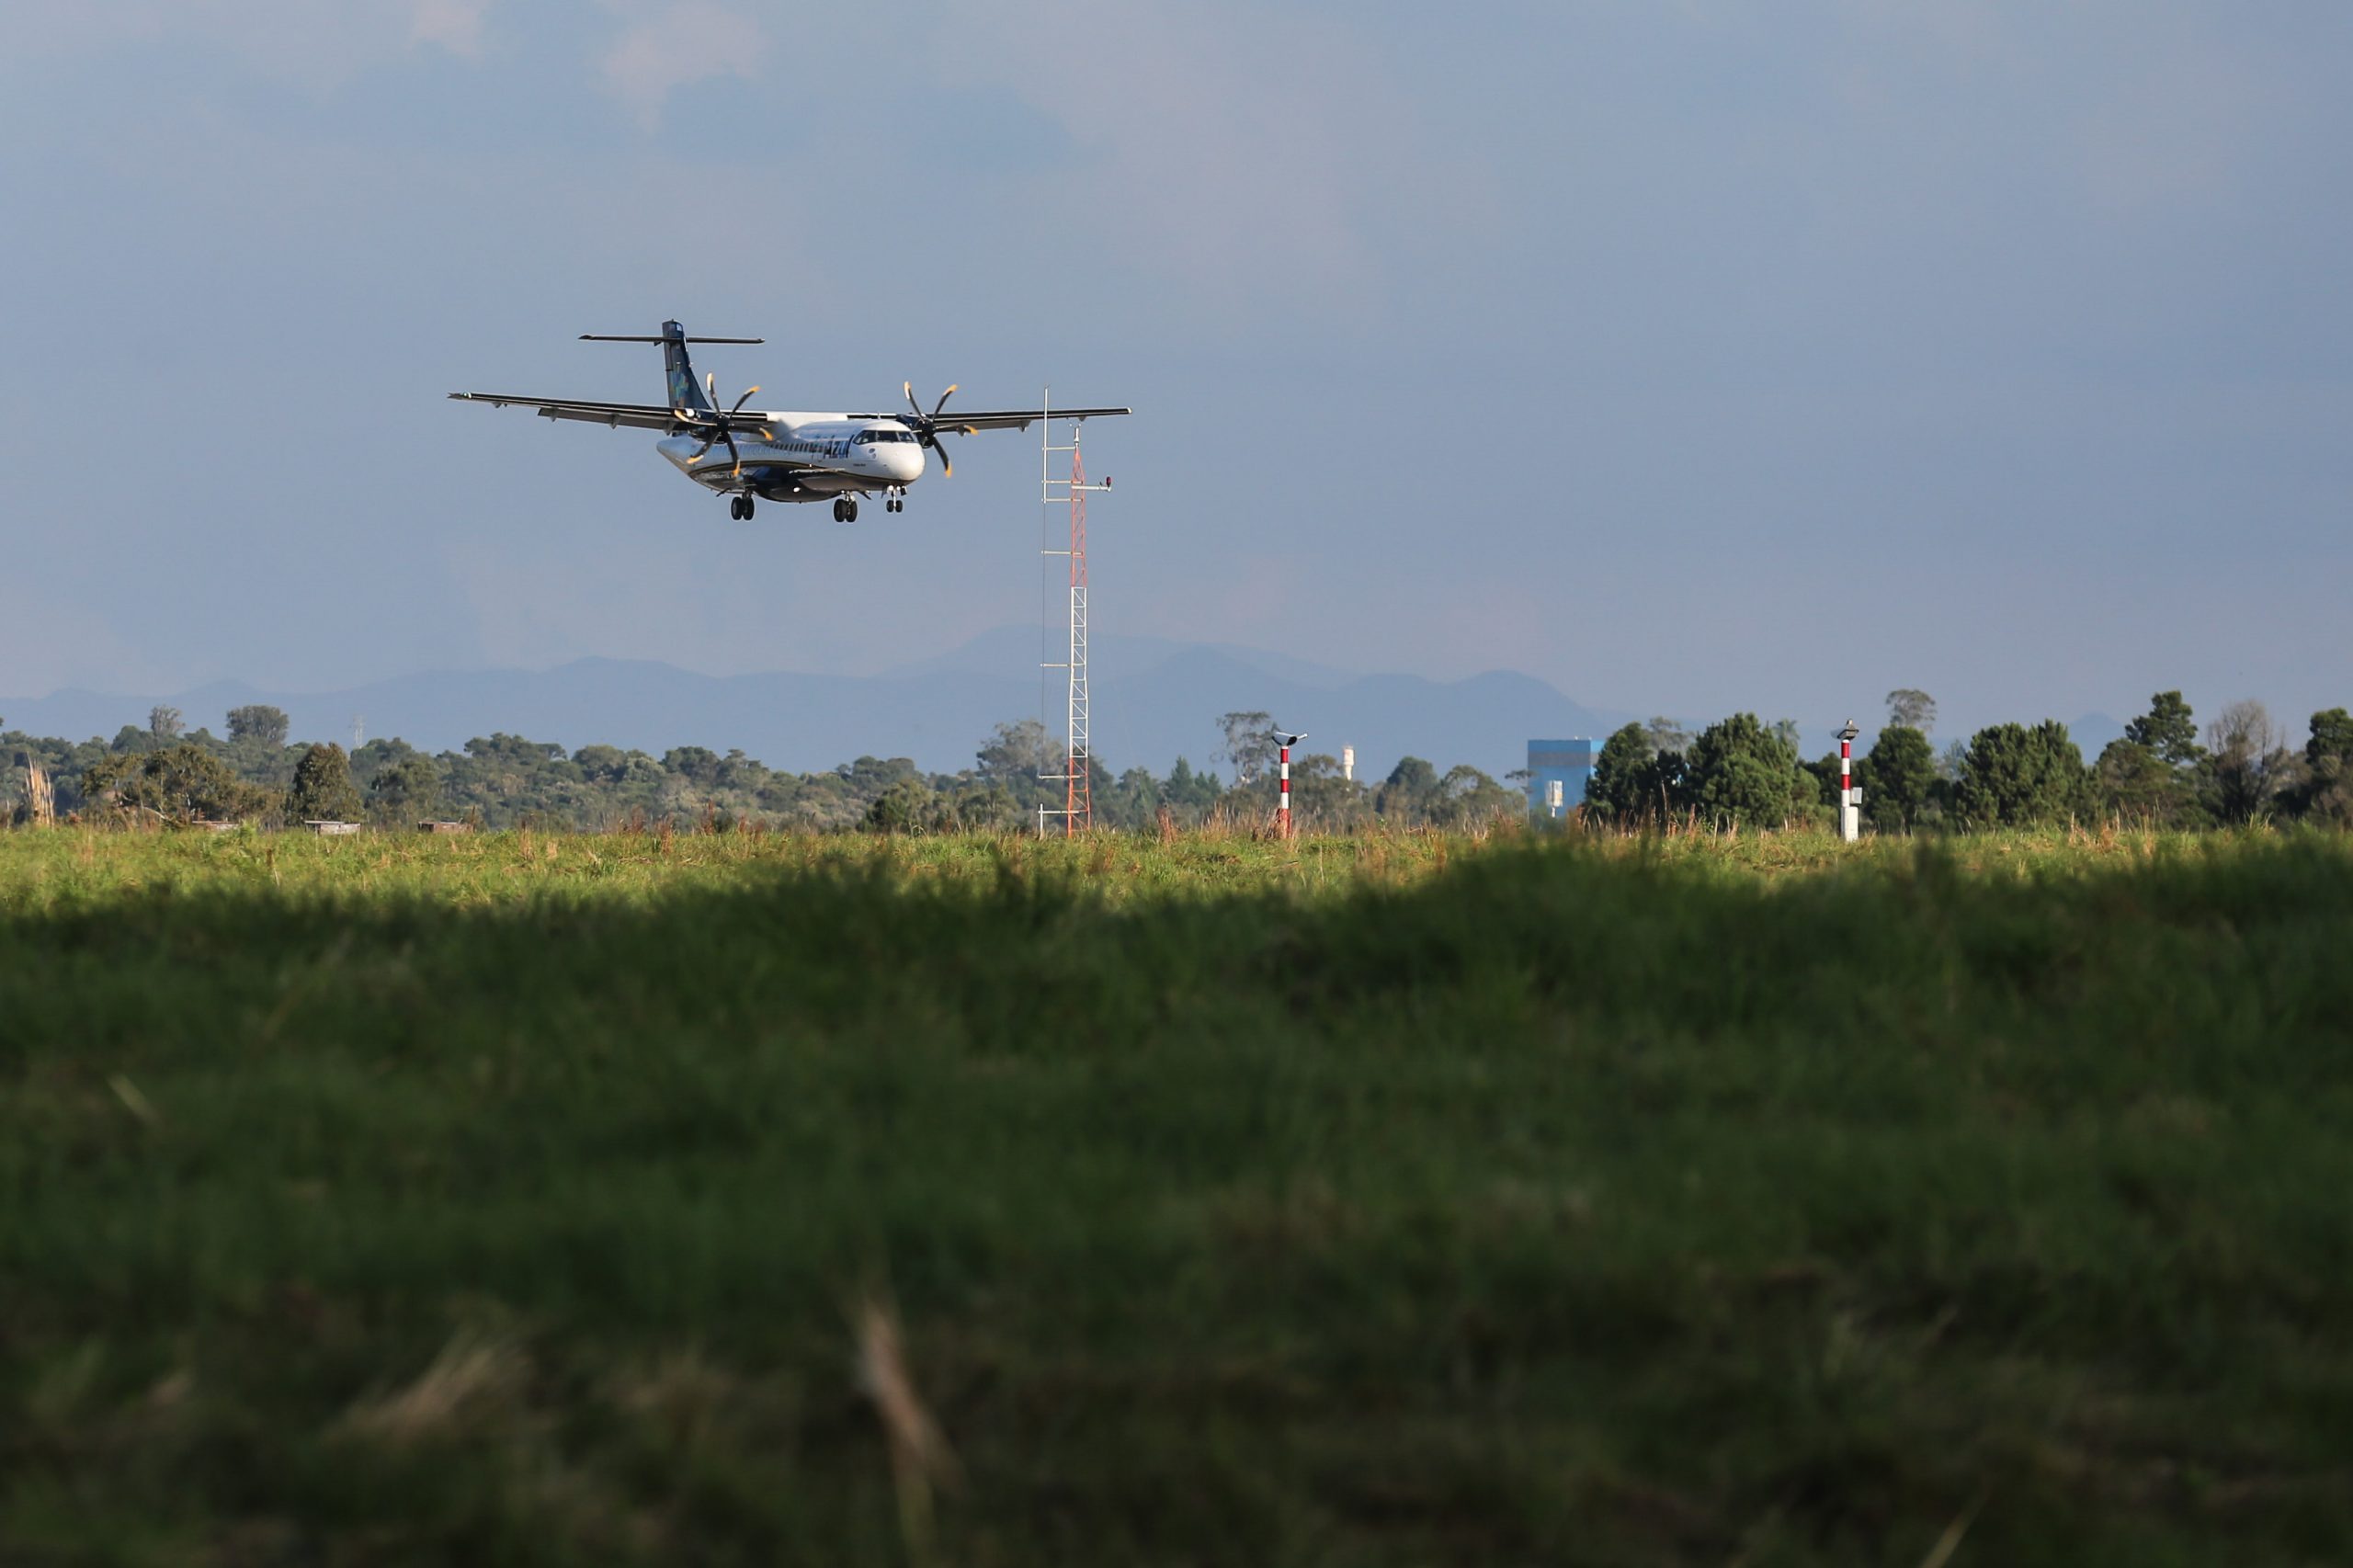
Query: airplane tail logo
[(684, 391)]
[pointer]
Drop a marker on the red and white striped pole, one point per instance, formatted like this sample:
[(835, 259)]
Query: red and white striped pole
[(1850, 799), (1282, 807)]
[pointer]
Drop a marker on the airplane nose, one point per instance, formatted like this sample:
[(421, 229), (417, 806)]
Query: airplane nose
[(906, 463)]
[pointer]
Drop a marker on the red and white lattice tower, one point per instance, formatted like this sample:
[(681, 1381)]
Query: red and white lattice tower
[(1078, 750)]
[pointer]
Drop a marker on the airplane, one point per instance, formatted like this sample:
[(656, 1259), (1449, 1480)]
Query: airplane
[(775, 455)]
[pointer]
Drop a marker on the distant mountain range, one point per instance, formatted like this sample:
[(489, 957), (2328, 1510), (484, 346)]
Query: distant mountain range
[(1156, 701)]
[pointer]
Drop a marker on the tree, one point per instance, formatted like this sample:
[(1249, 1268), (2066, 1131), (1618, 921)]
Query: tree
[(1467, 797), (1408, 793), (2167, 730), (1249, 744), (904, 807), (2246, 766), (323, 789), (2011, 776), (2134, 782), (1321, 797), (164, 723), (1742, 774), (1911, 708), (2332, 738), (1191, 791), (259, 725), (1898, 774), (1623, 786), (1665, 734), (1019, 755), (185, 781), (1131, 801), (696, 765), (2328, 764), (405, 790)]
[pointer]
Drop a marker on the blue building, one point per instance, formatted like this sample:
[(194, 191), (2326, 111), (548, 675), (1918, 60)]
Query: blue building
[(1565, 762)]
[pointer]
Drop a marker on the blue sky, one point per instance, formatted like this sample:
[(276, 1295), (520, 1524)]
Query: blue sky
[(1692, 355)]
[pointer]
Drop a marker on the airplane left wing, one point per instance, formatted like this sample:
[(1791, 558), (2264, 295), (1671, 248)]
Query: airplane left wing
[(638, 415)]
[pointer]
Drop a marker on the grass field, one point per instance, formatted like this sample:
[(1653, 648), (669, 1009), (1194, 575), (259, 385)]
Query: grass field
[(720, 1200)]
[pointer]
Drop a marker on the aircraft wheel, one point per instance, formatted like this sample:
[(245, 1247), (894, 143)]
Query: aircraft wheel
[(735, 507), (747, 509), (849, 509)]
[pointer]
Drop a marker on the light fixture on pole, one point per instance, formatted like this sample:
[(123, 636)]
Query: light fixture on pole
[(1850, 799), (1282, 811)]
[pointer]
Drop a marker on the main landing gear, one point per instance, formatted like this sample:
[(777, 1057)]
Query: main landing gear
[(740, 508), (845, 508)]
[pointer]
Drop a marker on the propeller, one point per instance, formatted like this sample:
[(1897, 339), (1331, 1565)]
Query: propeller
[(718, 427), (927, 427)]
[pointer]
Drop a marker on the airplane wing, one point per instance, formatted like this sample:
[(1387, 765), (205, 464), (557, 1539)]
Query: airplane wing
[(638, 415), (1020, 418), (1005, 418)]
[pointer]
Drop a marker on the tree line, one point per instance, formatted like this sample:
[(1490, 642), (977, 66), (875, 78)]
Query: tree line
[(2163, 772), (2160, 773), (252, 774)]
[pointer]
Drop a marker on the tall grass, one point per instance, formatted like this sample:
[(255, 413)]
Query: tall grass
[(542, 1198)]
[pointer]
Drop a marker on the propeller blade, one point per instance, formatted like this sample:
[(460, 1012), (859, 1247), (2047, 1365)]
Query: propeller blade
[(729, 437), (943, 399), (909, 388), (742, 401), (946, 466), (710, 388)]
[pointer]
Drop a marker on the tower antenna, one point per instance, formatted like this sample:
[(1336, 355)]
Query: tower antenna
[(1078, 751)]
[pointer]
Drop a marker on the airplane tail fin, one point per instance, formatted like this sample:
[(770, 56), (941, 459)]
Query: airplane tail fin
[(683, 391)]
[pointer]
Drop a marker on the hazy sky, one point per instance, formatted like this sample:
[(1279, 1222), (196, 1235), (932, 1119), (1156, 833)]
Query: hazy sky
[(1694, 356)]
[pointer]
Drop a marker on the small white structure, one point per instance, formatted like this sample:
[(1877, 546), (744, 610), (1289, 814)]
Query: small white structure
[(331, 829)]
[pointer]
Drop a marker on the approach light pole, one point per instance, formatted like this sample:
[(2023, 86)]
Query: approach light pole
[(1850, 799), (1282, 809)]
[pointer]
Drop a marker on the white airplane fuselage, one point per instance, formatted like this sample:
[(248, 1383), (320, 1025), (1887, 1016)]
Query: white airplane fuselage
[(813, 456)]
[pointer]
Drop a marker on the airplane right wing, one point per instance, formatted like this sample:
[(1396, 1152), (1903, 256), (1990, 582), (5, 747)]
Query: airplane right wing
[(637, 416), (1011, 418)]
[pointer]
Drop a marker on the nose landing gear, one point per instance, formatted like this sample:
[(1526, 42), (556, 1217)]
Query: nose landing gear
[(894, 500), (739, 507)]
